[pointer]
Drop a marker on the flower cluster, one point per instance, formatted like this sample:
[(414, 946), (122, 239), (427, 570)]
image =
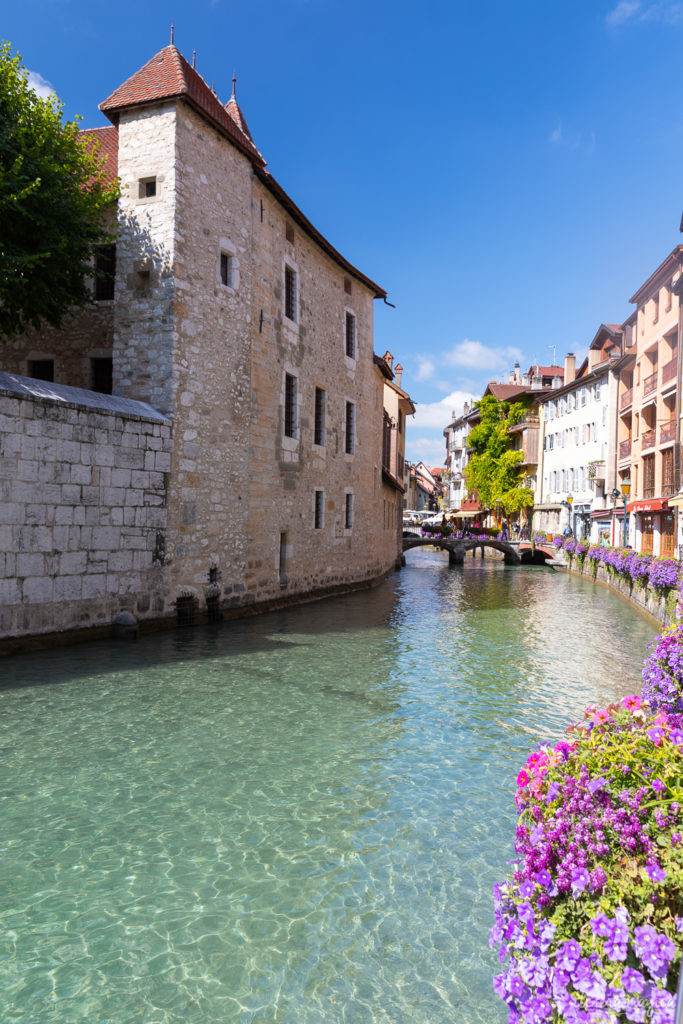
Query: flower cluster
[(587, 925), (660, 573), (575, 547), (663, 671)]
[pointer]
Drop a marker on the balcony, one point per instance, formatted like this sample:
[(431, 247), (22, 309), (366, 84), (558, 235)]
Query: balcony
[(650, 384), (648, 440), (530, 420), (669, 370), (667, 432), (626, 399), (625, 449)]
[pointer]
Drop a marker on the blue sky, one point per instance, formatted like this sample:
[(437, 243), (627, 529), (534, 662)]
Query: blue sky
[(509, 171)]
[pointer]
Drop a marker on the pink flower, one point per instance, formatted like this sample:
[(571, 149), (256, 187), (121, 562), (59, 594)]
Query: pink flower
[(632, 703), (522, 778), (601, 716)]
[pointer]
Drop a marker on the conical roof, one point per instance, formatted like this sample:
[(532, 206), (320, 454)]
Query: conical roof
[(168, 75)]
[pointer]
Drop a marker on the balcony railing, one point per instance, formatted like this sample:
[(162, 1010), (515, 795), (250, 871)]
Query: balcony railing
[(530, 420), (669, 370), (648, 440), (625, 449), (650, 383), (626, 398), (667, 431)]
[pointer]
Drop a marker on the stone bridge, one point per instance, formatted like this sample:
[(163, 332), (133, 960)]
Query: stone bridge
[(514, 552)]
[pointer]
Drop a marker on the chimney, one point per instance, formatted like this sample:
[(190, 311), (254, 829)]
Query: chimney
[(465, 408), (398, 373), (569, 367), (525, 380), (388, 359), (517, 376), (511, 378), (536, 381), (557, 381)]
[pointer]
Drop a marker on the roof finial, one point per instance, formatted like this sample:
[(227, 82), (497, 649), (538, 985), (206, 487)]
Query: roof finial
[(234, 80), (194, 60), (172, 32)]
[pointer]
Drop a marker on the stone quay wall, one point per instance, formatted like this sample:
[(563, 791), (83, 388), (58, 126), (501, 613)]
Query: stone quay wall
[(83, 483), (660, 606)]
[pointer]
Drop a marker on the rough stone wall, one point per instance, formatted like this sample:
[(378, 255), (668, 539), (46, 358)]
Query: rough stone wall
[(661, 606), (82, 515), (144, 333), (290, 470)]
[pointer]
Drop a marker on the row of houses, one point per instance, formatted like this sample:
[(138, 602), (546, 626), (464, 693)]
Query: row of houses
[(601, 442), (215, 431)]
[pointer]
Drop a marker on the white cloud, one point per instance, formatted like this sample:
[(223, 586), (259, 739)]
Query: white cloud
[(626, 10), (438, 414), (425, 368), (40, 85), (574, 142), (634, 12), (429, 450), (482, 357)]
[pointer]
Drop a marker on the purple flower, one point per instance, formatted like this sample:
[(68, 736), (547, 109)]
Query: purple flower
[(655, 872), (568, 954), (658, 786), (596, 784), (580, 879), (632, 981)]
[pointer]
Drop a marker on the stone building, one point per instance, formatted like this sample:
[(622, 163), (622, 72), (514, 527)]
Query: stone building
[(398, 405), (230, 318)]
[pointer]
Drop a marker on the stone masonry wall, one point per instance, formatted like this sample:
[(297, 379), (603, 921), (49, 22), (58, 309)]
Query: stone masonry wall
[(83, 496)]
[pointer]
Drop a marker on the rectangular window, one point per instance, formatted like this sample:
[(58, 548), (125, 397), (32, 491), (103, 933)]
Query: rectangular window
[(101, 375), (348, 512), (282, 562), (350, 335), (290, 293), (147, 187), (105, 272), (649, 476), (42, 369), (226, 269), (349, 428), (318, 510), (319, 426), (290, 405)]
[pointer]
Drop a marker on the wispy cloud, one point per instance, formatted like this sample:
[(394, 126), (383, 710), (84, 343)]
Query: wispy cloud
[(572, 141), (40, 85), (636, 12), (477, 356), (429, 450), (425, 369)]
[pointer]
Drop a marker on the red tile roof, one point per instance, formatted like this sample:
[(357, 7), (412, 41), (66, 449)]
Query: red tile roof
[(167, 76), (548, 371), (108, 139), (503, 392)]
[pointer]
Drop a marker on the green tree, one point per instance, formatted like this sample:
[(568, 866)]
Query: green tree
[(493, 471), (54, 199)]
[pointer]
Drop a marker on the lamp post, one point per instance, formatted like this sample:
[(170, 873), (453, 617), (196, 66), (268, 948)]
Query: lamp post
[(625, 490), (570, 501)]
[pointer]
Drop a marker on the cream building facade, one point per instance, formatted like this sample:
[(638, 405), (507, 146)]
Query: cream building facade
[(233, 318)]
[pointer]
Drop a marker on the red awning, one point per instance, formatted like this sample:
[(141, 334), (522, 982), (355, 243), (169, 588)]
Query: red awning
[(651, 505), (608, 513)]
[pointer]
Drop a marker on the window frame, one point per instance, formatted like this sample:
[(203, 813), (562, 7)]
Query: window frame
[(350, 335), (290, 407), (349, 427), (319, 410), (290, 304)]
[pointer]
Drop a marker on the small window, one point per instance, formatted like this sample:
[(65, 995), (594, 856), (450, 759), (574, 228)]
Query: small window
[(289, 233), (227, 270), (147, 187), (349, 428), (318, 510), (101, 375), (290, 293), (350, 335), (290, 405), (348, 512), (319, 427), (142, 278), (42, 369), (105, 273), (347, 285)]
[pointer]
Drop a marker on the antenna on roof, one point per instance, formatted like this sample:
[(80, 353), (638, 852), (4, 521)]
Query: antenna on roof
[(554, 348), (172, 32), (194, 60), (234, 79)]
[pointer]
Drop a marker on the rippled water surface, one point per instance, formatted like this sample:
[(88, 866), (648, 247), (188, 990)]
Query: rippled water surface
[(296, 818)]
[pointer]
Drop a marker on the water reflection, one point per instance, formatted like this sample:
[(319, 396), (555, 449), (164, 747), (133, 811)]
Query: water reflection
[(296, 818)]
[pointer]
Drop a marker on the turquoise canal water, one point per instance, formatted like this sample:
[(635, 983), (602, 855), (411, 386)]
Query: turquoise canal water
[(296, 818)]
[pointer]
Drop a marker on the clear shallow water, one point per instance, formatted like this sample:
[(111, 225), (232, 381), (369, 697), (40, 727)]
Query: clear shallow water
[(296, 818)]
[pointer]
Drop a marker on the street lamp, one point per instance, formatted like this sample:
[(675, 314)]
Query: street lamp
[(625, 490)]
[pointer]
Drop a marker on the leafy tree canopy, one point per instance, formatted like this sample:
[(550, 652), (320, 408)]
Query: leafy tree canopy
[(54, 199), (493, 471)]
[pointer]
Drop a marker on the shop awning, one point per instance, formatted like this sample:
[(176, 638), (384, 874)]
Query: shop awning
[(607, 513), (676, 502), (464, 515), (651, 505), (548, 506)]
